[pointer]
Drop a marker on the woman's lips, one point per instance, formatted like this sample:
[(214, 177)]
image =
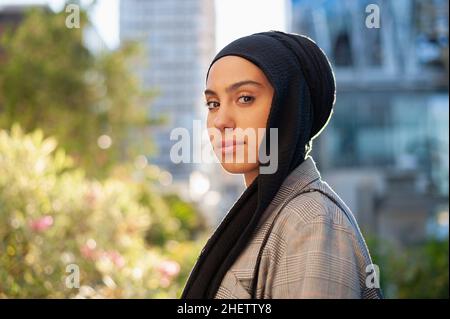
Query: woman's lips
[(229, 146)]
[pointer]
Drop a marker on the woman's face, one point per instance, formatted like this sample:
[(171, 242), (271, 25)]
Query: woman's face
[(239, 97)]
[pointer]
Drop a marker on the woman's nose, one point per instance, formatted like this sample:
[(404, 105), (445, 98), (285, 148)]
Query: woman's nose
[(223, 119)]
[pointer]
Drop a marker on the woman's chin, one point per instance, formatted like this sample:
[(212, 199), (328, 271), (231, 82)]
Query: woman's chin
[(239, 168)]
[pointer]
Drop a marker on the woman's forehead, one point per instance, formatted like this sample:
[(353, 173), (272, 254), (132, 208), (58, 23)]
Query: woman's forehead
[(231, 68)]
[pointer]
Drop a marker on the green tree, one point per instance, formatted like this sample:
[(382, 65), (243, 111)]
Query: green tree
[(52, 216), (50, 80), (417, 271)]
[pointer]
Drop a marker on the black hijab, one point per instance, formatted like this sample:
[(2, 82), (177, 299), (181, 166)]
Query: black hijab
[(304, 94)]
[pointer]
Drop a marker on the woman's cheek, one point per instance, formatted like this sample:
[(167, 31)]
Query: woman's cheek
[(209, 120)]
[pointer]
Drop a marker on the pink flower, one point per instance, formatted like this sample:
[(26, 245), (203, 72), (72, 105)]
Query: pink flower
[(116, 258), (169, 268), (41, 224), (88, 252)]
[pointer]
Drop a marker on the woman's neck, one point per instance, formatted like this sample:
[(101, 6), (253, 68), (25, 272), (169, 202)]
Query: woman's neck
[(249, 177)]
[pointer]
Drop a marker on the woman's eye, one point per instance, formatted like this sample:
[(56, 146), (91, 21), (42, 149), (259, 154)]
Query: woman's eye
[(212, 104), (246, 99)]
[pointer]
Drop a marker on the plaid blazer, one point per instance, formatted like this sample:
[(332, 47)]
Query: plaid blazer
[(306, 245)]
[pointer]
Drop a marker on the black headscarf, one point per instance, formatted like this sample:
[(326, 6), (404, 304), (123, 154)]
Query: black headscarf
[(304, 95)]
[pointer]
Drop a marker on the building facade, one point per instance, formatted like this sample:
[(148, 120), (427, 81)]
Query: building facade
[(389, 131)]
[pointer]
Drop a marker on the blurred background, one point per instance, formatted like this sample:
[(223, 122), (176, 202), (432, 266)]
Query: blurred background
[(86, 114)]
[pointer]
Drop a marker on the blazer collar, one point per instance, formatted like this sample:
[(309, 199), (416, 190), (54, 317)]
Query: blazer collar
[(298, 179)]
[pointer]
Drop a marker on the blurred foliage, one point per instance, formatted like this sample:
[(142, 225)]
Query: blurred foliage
[(52, 215), (418, 271), (184, 226), (92, 207), (50, 80)]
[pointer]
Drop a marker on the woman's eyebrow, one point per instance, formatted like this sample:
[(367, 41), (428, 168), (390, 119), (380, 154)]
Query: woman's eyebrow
[(234, 86)]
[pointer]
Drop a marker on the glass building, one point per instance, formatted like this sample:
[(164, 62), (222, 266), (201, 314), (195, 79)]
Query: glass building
[(386, 148), (179, 39)]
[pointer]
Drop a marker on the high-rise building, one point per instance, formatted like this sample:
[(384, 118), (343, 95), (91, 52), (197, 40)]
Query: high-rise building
[(179, 39), (386, 148)]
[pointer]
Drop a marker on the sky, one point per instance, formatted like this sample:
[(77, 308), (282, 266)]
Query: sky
[(237, 18), (234, 18)]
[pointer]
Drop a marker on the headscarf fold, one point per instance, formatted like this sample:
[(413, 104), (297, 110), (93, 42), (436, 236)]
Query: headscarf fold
[(304, 95)]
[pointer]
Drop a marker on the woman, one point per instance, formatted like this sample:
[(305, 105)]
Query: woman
[(289, 235)]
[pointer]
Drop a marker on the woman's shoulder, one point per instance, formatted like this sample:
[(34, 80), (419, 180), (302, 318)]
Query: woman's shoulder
[(321, 208), (315, 249)]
